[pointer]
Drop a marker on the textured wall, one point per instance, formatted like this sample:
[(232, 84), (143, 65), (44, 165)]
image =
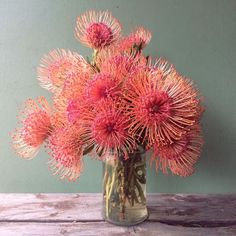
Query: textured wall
[(197, 36)]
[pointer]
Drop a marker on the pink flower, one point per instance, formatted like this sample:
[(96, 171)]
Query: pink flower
[(66, 150), (120, 65), (181, 155), (161, 109), (107, 131), (72, 97), (74, 86), (36, 127), (57, 66), (102, 87), (154, 107), (73, 111), (97, 29), (139, 39), (143, 35), (161, 67)]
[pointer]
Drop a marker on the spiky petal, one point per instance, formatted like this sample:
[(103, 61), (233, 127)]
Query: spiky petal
[(57, 66), (137, 40), (97, 29), (107, 131), (72, 96), (161, 110), (103, 86), (65, 148), (120, 65), (73, 111), (181, 155), (35, 127), (161, 67)]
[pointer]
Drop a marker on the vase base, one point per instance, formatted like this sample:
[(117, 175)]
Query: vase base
[(126, 223)]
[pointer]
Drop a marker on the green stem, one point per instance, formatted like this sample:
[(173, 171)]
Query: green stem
[(123, 182)]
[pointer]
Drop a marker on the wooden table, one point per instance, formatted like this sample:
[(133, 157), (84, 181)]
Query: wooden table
[(80, 214)]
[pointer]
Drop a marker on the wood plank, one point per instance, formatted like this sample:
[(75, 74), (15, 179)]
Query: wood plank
[(173, 209), (50, 207), (102, 228), (198, 209)]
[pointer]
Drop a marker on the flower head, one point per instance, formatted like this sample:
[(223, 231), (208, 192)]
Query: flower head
[(120, 65), (36, 127), (97, 29), (72, 97), (143, 35), (154, 108), (57, 66), (107, 131), (161, 109), (74, 86), (73, 111), (103, 86), (181, 155), (161, 68), (136, 40), (66, 152)]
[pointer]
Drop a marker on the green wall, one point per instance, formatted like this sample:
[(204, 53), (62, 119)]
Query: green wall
[(197, 36)]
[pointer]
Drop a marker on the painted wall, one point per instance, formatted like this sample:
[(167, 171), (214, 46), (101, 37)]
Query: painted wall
[(197, 36)]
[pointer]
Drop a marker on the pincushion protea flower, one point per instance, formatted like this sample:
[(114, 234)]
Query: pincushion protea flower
[(161, 109), (57, 66), (66, 150), (120, 65), (181, 155), (72, 95), (116, 103), (103, 86), (36, 127), (136, 40), (73, 111), (161, 67), (107, 131), (97, 29)]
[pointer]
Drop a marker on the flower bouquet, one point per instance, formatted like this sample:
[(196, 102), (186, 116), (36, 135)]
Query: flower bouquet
[(114, 106)]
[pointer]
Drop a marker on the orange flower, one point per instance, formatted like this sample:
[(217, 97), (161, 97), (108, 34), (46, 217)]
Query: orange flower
[(97, 29), (107, 131), (103, 86), (139, 39), (73, 92), (161, 67), (73, 111), (161, 109), (36, 127), (120, 65), (57, 66), (181, 155), (66, 150)]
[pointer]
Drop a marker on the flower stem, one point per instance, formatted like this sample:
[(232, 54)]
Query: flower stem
[(123, 182)]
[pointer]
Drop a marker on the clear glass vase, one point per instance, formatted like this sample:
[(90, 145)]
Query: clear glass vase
[(124, 189)]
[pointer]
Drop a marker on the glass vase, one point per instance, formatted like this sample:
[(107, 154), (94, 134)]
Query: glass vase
[(124, 189)]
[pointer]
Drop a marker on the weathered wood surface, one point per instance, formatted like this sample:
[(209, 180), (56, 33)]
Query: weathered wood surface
[(102, 228), (80, 214)]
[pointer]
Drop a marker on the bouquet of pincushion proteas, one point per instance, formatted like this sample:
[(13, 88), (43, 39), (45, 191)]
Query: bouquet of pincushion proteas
[(114, 103)]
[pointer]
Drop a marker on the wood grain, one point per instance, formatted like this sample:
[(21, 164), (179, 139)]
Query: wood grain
[(80, 214), (102, 228)]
